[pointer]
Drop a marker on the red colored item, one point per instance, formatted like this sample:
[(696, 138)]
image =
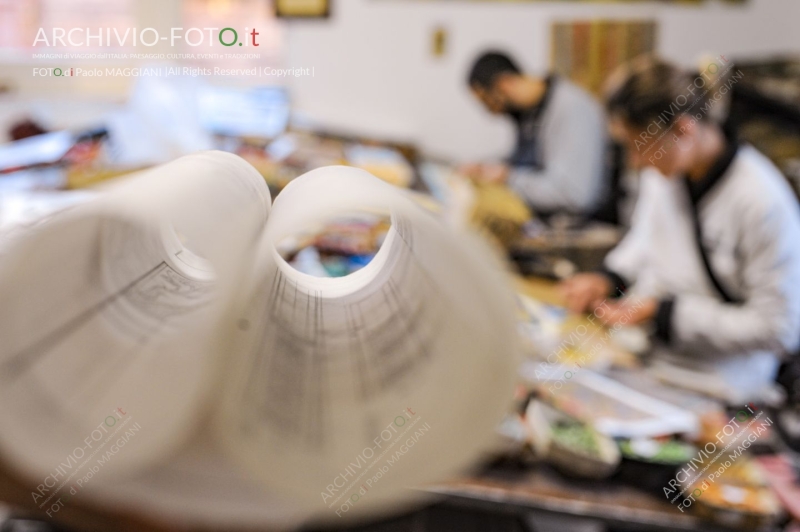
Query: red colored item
[(24, 129), (783, 480)]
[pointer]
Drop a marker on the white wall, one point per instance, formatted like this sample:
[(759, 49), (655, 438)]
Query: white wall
[(76, 102), (374, 72)]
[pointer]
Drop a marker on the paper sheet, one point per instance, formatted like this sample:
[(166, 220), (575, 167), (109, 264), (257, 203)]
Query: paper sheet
[(166, 300)]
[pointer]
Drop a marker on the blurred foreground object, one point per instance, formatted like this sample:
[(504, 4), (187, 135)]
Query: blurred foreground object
[(187, 372)]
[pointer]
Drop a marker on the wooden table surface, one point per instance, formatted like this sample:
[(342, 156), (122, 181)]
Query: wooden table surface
[(542, 489)]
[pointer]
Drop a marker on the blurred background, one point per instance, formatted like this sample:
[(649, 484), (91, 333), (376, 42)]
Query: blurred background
[(389, 68), (382, 85)]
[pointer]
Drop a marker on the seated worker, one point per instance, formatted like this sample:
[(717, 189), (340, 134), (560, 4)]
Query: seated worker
[(559, 162), (713, 256)]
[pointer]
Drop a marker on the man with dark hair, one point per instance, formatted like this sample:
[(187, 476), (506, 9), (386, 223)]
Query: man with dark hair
[(559, 161), (488, 66)]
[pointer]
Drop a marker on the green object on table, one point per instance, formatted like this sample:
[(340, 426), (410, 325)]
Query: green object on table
[(578, 438), (671, 452)]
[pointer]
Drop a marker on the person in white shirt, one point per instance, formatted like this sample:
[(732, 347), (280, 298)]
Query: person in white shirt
[(559, 162), (713, 256)]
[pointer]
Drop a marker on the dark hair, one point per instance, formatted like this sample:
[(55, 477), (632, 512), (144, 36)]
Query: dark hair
[(488, 66), (649, 89)]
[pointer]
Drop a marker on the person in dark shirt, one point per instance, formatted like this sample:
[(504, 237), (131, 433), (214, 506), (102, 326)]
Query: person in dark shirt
[(558, 162)]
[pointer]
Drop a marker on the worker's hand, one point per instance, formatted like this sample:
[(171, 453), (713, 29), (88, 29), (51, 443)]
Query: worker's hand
[(628, 311), (470, 170), (485, 172), (494, 173), (585, 291)]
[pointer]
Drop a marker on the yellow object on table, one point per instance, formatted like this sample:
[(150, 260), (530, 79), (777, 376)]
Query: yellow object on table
[(497, 209), (540, 289), (82, 177)]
